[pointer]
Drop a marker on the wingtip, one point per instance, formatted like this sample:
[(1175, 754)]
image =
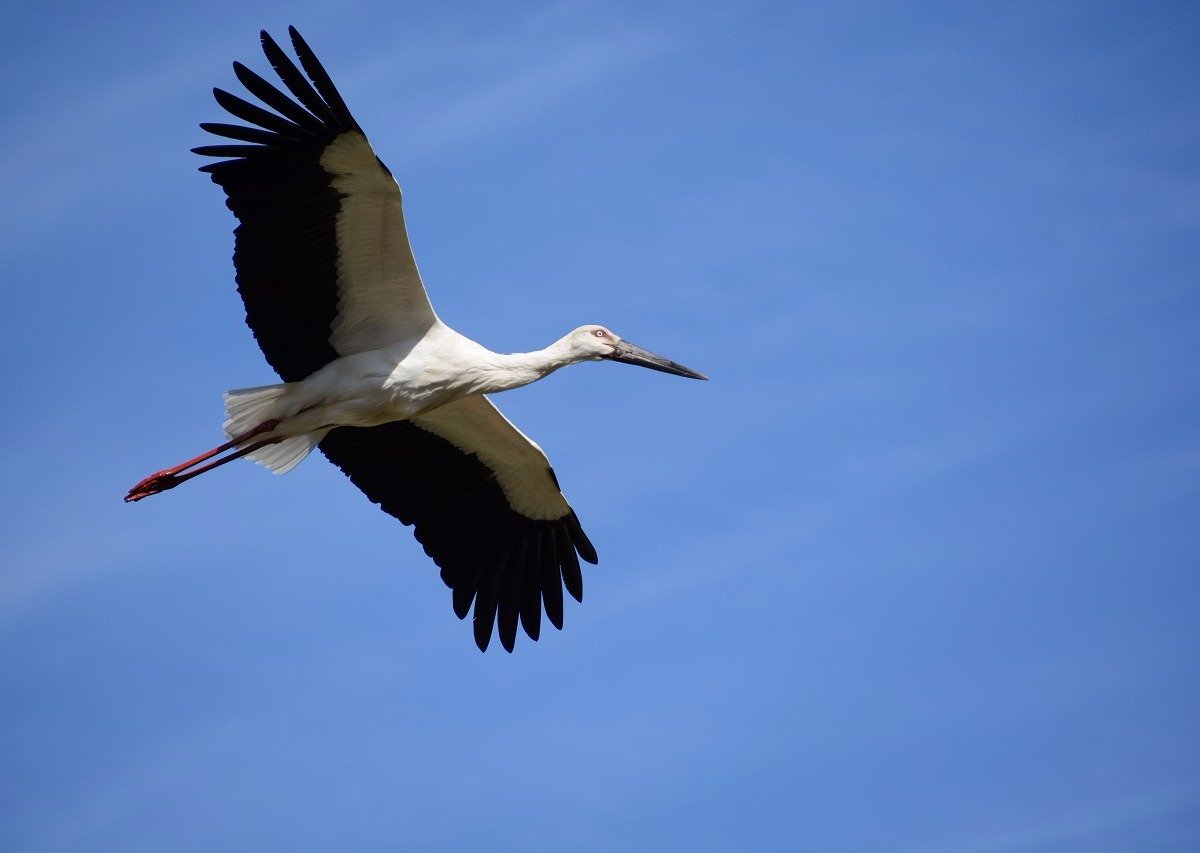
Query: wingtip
[(482, 625), (583, 545), (462, 600), (298, 41), (533, 627)]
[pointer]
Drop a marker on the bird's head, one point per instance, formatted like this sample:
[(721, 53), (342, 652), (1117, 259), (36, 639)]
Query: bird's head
[(597, 342)]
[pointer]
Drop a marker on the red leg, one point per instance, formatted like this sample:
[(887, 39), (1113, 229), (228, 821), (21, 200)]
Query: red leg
[(169, 478)]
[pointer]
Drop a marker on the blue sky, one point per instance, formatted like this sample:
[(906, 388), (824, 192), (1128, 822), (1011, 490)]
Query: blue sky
[(916, 570)]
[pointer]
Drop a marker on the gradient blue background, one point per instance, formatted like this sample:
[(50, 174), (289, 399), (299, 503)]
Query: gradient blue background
[(916, 570)]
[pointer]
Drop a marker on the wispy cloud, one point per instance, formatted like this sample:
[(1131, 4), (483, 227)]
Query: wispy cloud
[(461, 85), (526, 90), (94, 140), (77, 145), (1078, 828), (50, 562)]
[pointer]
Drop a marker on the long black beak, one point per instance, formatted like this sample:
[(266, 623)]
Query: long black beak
[(633, 354)]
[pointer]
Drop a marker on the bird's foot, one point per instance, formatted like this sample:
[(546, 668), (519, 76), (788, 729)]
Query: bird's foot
[(169, 478), (152, 485)]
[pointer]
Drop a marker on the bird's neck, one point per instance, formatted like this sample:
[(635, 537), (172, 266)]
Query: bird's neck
[(512, 370)]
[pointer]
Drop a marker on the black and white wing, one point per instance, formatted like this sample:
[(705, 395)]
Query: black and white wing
[(323, 261), (485, 505)]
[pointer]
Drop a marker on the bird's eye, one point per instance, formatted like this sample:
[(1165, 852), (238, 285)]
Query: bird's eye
[(598, 333)]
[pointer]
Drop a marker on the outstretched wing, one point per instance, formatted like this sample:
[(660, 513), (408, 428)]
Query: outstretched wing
[(323, 261), (484, 504)]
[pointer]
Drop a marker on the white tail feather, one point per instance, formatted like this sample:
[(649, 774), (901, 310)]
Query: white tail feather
[(248, 408), (287, 454)]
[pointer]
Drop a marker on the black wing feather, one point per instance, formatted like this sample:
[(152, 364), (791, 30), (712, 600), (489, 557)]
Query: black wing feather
[(509, 604), (229, 150), (276, 100), (294, 80), (285, 247), (458, 510), (256, 115), (494, 564), (240, 132), (531, 590), (552, 597), (572, 576), (320, 77)]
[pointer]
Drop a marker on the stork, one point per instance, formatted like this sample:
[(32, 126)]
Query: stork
[(389, 393)]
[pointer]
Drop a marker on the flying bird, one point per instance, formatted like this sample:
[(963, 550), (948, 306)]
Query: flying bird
[(389, 393)]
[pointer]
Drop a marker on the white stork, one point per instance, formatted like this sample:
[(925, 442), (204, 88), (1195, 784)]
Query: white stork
[(388, 392)]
